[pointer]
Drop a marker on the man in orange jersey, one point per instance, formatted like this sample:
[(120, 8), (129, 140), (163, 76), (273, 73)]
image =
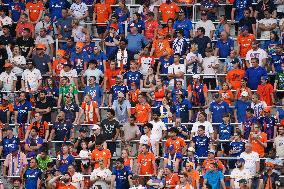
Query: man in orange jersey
[(168, 10), (258, 140), (160, 45), (62, 182), (100, 153), (90, 110), (193, 174), (57, 64), (235, 75), (211, 159), (146, 162), (142, 110), (171, 178), (23, 24), (102, 13), (151, 27), (266, 91), (34, 9), (41, 125), (244, 41), (110, 76), (6, 109), (178, 144)]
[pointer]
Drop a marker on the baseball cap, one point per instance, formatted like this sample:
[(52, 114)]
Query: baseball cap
[(119, 76), (114, 26), (244, 28), (191, 149), (169, 167), (67, 64), (171, 147), (60, 52), (95, 127), (178, 92), (269, 164), (173, 129), (211, 151), (181, 12), (40, 46), (264, 77), (267, 110), (244, 93), (80, 45), (235, 61), (196, 76), (8, 128), (244, 181), (241, 160), (8, 65), (83, 129)]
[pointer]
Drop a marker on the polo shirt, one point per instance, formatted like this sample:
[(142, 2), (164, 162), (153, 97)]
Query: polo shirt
[(136, 42), (254, 76), (185, 25), (225, 47), (217, 110)]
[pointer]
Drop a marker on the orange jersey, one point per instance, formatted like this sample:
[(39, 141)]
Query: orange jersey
[(227, 95), (160, 46), (146, 163), (127, 162), (167, 31), (42, 126), (178, 143), (150, 28), (265, 92), (90, 112), (100, 154), (62, 186), (8, 107), (235, 76), (160, 94), (110, 76), (194, 175), (207, 162), (245, 43), (256, 147), (110, 2), (185, 1), (142, 112), (102, 12), (57, 65), (168, 11), (133, 95), (20, 27), (172, 179), (34, 10)]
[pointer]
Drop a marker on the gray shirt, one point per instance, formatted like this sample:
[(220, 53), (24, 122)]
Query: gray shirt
[(121, 113), (41, 63)]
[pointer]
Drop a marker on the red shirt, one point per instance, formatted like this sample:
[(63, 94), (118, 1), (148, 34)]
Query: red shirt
[(265, 92), (110, 76), (20, 27), (100, 154)]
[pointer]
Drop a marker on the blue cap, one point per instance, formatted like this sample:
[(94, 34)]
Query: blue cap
[(264, 77), (244, 28), (242, 160)]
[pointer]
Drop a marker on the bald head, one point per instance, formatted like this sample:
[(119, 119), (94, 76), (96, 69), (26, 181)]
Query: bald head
[(223, 35)]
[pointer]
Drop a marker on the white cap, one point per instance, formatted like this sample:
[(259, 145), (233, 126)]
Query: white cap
[(191, 149), (244, 93), (95, 127), (196, 76)]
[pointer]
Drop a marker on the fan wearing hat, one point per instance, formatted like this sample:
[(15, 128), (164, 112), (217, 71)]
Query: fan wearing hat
[(6, 109), (8, 79), (42, 60), (268, 123), (57, 64), (279, 140), (191, 170), (240, 107), (31, 78), (244, 40), (269, 179), (266, 91), (198, 92), (159, 45), (47, 40), (80, 58), (240, 174), (217, 108)]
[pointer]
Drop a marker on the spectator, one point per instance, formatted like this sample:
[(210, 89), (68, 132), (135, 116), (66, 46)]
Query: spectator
[(6, 110), (240, 173), (148, 138), (225, 130), (254, 74), (265, 91), (240, 107), (57, 64), (77, 178), (55, 8), (279, 140), (112, 42), (224, 45), (69, 73), (142, 110), (160, 45), (262, 6), (70, 109), (16, 9), (223, 26), (122, 12), (43, 159), (243, 88), (206, 24), (19, 63), (252, 163), (156, 181), (202, 121), (217, 108), (47, 40), (247, 125), (9, 143), (97, 135), (193, 60), (133, 76), (83, 137), (122, 109), (34, 10), (159, 127), (94, 90), (226, 94), (44, 106), (43, 127), (138, 23), (23, 25), (64, 182), (64, 159), (151, 26), (214, 177), (145, 62), (90, 110), (110, 76), (66, 88), (50, 28), (64, 25), (33, 143), (129, 132), (101, 176), (138, 41), (8, 78), (99, 56), (6, 38), (31, 78), (176, 71), (276, 60), (279, 111), (257, 105), (168, 10), (180, 43), (123, 55), (79, 32), (182, 108), (244, 41), (171, 179), (122, 182), (236, 146), (42, 59), (258, 140), (256, 52), (184, 181), (267, 24), (32, 176), (239, 8), (118, 87), (211, 159), (210, 66), (178, 88), (146, 161), (235, 76), (25, 43), (183, 24), (248, 20), (231, 60), (276, 161), (193, 174), (79, 10), (79, 58), (269, 178), (198, 92)]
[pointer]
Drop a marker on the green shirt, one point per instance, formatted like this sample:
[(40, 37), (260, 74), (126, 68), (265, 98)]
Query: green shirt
[(63, 90), (42, 163), (280, 78)]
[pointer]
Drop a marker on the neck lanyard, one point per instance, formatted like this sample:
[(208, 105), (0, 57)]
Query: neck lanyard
[(13, 164)]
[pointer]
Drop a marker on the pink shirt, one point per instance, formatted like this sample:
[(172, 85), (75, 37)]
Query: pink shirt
[(15, 164)]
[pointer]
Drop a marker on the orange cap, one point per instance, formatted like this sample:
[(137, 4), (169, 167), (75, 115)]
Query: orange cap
[(282, 122), (8, 65), (114, 26), (267, 110), (80, 44), (60, 52), (40, 46), (269, 164)]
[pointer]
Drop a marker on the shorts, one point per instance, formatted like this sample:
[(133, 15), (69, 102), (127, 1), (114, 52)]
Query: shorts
[(101, 29)]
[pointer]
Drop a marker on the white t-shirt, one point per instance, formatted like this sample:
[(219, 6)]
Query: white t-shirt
[(32, 78), (158, 128), (47, 40), (78, 10), (76, 179), (238, 174), (18, 60), (7, 80), (208, 26), (184, 187), (71, 74), (105, 173), (206, 124), (258, 108), (146, 62), (84, 154), (266, 22), (193, 56), (176, 68), (209, 61), (96, 72), (5, 21), (259, 53), (78, 34), (144, 139), (279, 145), (250, 161)]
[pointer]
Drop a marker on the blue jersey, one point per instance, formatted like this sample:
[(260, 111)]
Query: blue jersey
[(131, 77), (225, 131), (33, 142), (268, 124), (194, 160), (201, 145), (16, 10), (277, 60), (121, 177), (180, 46), (31, 177), (79, 60), (174, 91), (182, 108), (165, 64), (225, 47), (62, 130), (64, 163), (96, 92), (238, 147), (117, 88), (254, 75), (140, 25), (217, 110), (185, 25), (9, 144), (111, 50), (121, 14), (100, 58), (23, 110), (198, 98), (70, 111), (55, 8), (247, 124), (281, 113), (214, 178), (68, 50), (240, 6), (89, 48), (241, 107), (184, 129)]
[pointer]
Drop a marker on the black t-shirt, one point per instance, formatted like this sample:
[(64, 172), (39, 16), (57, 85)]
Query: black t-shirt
[(108, 128), (261, 7), (100, 137), (202, 44), (247, 22), (41, 63), (44, 105), (25, 45), (79, 148), (6, 40)]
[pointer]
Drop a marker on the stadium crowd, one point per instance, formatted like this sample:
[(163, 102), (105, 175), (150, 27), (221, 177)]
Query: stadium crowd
[(109, 94)]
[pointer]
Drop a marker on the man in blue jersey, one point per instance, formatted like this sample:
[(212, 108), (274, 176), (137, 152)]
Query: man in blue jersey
[(240, 107), (133, 76), (178, 87), (217, 108), (276, 59), (184, 24), (32, 176), (55, 8), (239, 8), (201, 142), (9, 142), (214, 177), (118, 87), (80, 58), (64, 26), (182, 108), (16, 8), (255, 73), (95, 90), (121, 175)]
